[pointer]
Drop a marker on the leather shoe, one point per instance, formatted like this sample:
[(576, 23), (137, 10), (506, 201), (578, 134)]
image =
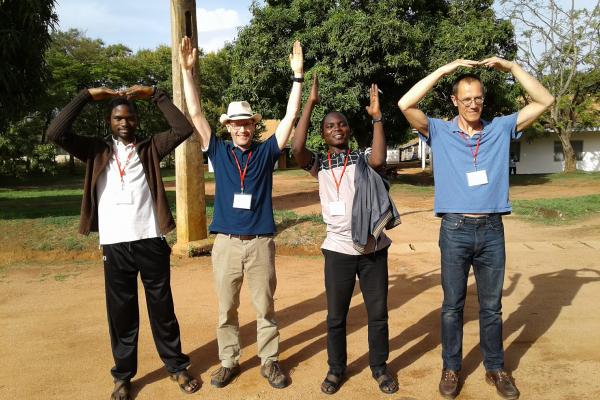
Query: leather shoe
[(505, 384), (449, 383)]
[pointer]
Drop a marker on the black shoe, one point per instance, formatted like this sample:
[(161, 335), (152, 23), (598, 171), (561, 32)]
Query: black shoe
[(505, 384), (449, 383), (272, 371), (223, 376)]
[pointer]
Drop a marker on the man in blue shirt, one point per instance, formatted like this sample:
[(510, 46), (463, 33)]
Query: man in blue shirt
[(471, 194), (243, 218)]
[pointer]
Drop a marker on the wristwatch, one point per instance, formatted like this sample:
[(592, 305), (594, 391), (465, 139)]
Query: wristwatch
[(298, 79), (376, 120)]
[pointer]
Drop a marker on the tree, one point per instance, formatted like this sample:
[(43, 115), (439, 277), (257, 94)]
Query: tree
[(560, 46), (352, 43), (25, 27)]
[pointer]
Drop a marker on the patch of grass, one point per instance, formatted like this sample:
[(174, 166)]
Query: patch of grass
[(560, 177), (62, 179), (168, 175), (421, 183), (557, 211), (37, 203), (290, 172)]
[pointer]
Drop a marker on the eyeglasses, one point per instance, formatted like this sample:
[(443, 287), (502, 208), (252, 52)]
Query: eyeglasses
[(237, 128), (468, 102)]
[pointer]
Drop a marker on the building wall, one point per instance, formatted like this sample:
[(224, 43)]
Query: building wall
[(537, 157)]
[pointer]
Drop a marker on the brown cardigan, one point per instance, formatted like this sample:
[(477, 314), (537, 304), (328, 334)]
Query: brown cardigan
[(96, 153)]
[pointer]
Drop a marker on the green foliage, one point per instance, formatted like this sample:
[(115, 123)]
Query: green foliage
[(559, 45), (15, 143), (24, 37), (351, 44), (215, 79), (557, 211), (471, 30), (43, 158), (74, 62)]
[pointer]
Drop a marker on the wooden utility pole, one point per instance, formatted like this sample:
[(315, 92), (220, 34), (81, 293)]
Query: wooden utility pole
[(189, 164)]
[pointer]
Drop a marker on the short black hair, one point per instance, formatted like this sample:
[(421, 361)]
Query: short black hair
[(120, 101), (328, 114), (469, 77)]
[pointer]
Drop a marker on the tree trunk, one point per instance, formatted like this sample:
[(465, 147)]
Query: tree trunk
[(569, 154)]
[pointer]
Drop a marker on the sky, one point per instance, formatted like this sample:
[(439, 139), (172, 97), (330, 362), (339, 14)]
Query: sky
[(145, 24)]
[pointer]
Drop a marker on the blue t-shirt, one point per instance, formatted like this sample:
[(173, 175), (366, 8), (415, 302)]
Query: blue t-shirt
[(453, 159), (258, 182)]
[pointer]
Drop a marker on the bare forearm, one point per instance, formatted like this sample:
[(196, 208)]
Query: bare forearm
[(535, 90), (378, 147), (192, 100), (285, 126), (420, 90), (299, 150)]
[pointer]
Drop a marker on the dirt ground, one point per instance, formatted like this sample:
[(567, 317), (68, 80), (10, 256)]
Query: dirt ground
[(54, 339)]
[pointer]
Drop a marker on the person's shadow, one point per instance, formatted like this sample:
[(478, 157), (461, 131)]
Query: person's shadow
[(402, 288), (536, 314), (428, 329)]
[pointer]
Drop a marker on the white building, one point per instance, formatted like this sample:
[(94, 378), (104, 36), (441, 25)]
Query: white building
[(544, 154)]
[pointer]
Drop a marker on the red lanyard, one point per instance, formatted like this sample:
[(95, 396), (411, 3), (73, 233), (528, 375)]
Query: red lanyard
[(338, 183), (474, 153), (242, 174), (122, 170)]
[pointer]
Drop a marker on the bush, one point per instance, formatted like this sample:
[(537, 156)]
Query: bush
[(43, 159)]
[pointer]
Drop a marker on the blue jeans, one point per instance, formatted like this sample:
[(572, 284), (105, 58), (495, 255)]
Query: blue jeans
[(466, 241)]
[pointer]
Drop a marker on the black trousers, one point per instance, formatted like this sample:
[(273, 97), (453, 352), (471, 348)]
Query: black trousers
[(122, 261), (341, 271)]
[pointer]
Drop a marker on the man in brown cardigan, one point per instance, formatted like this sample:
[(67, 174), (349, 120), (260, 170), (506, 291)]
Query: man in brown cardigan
[(124, 200)]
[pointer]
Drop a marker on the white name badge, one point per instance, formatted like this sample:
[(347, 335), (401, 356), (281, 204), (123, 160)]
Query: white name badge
[(337, 208), (242, 200), (477, 178), (124, 197)]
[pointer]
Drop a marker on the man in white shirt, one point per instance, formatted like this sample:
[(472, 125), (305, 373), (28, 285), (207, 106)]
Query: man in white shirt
[(124, 200)]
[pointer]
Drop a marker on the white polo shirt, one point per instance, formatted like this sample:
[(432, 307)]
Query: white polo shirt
[(125, 208)]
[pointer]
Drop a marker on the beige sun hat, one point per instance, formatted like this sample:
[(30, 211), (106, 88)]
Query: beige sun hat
[(239, 110)]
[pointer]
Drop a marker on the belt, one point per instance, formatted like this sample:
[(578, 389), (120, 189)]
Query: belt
[(245, 237)]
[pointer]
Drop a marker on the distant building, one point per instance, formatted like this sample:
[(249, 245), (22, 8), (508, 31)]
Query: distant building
[(544, 155)]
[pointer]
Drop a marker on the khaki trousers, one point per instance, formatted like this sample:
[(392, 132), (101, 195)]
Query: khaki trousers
[(233, 259)]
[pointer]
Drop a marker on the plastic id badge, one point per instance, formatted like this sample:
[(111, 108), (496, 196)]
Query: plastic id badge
[(242, 200), (124, 197), (477, 178), (337, 208)]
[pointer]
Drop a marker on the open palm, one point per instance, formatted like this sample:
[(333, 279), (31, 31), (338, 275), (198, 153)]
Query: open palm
[(187, 53)]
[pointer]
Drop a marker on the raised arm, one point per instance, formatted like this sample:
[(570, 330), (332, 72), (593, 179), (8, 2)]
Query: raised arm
[(282, 133), (299, 150), (60, 130), (187, 60), (378, 147), (408, 102), (180, 128), (541, 98)]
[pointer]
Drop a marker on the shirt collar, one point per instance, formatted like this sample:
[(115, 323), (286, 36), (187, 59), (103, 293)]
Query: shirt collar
[(455, 128), (120, 145)]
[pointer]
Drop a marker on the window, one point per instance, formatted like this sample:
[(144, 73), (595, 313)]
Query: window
[(577, 148)]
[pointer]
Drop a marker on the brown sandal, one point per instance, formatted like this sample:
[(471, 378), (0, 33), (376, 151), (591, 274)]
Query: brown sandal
[(387, 383), (331, 383), (187, 384), (121, 390)]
